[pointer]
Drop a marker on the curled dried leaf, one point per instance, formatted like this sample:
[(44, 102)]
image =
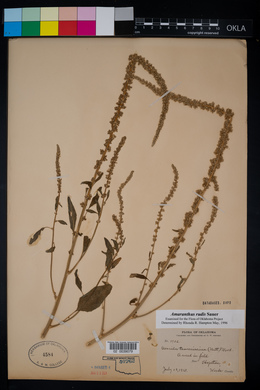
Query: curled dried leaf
[(88, 183), (52, 249), (139, 276), (78, 281), (94, 298), (181, 283), (161, 264), (34, 238), (133, 301)]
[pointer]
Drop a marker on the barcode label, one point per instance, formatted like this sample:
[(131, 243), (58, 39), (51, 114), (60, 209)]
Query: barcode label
[(124, 347)]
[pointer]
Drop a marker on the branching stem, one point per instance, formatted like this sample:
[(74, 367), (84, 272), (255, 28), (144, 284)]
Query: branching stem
[(215, 164)]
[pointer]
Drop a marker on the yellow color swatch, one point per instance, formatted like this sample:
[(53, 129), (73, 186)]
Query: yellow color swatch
[(49, 28)]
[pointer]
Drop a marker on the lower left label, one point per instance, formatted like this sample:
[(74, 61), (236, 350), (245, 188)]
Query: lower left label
[(48, 354)]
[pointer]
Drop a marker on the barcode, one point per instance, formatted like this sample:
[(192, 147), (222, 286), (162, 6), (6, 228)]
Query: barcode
[(126, 347)]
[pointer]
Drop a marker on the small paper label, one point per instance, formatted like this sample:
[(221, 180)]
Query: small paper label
[(227, 319)]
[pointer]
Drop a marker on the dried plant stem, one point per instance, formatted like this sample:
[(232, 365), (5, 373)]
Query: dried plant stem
[(52, 255), (104, 310), (178, 290), (157, 227), (193, 259), (214, 165), (64, 280), (189, 216), (115, 121), (57, 204), (68, 318)]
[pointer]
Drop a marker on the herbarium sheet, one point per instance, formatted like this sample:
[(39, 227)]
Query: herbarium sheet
[(127, 209)]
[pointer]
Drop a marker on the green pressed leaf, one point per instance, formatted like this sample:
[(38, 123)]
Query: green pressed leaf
[(35, 236), (52, 249), (94, 298), (72, 214), (62, 222), (78, 281)]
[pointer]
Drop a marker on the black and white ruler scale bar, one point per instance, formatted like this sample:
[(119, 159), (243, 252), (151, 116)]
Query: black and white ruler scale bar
[(188, 27)]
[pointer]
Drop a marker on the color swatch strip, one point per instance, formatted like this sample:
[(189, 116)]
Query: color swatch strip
[(68, 21)]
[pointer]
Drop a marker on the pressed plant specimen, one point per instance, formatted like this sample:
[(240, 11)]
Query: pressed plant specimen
[(96, 196)]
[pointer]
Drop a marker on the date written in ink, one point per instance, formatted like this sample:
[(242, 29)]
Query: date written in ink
[(47, 354)]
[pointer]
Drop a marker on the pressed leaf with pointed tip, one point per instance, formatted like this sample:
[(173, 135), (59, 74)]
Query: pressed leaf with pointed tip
[(88, 183), (52, 249), (115, 262), (86, 242), (91, 211), (57, 202), (78, 281), (109, 246), (94, 200), (72, 214), (139, 276), (94, 298), (35, 236), (115, 244), (109, 259), (61, 222), (99, 177), (109, 254)]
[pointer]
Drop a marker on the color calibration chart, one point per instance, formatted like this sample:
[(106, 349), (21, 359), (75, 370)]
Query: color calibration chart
[(68, 21)]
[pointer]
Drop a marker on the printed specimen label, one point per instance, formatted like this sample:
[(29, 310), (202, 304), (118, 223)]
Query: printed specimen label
[(228, 319)]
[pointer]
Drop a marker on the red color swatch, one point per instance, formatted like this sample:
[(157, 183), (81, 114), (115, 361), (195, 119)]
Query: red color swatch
[(68, 27)]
